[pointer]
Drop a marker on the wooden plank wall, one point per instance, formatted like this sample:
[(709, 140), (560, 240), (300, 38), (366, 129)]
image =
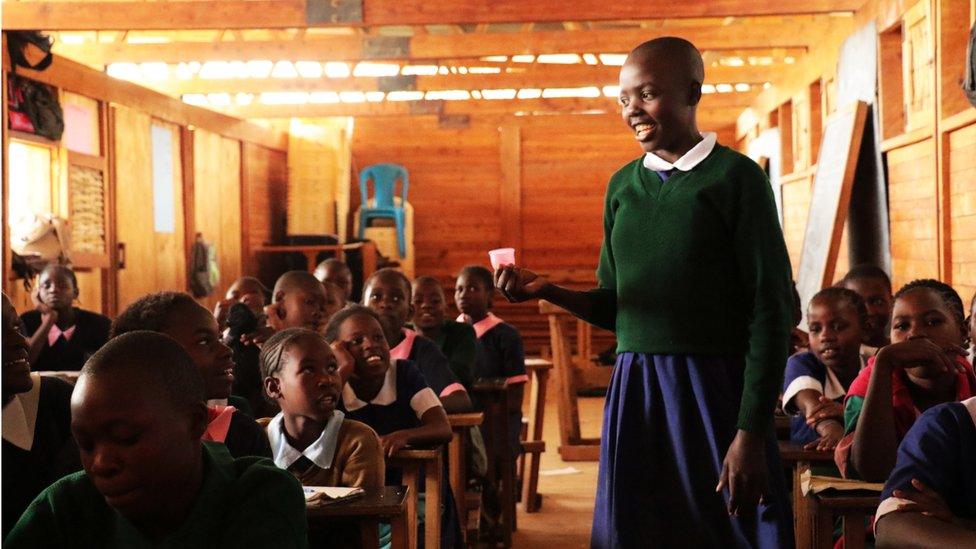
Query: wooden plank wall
[(962, 185), (913, 218), (265, 189), (535, 183), (217, 203)]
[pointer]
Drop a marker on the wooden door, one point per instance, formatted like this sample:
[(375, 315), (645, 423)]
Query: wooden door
[(148, 206)]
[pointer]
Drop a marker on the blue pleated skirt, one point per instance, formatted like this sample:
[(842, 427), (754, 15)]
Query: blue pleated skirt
[(668, 422)]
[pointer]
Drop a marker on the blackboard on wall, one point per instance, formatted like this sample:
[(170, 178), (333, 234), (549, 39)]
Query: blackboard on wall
[(831, 197)]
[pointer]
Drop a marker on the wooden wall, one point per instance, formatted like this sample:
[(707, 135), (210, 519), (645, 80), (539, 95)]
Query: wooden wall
[(535, 183), (265, 186)]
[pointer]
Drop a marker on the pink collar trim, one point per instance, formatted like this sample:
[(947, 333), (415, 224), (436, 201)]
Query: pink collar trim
[(482, 326), (55, 333), (402, 350), (219, 424)]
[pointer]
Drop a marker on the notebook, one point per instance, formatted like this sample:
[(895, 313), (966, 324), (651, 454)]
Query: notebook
[(330, 494)]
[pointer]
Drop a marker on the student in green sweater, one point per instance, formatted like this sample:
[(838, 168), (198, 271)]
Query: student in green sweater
[(694, 279), (138, 413), (456, 339)]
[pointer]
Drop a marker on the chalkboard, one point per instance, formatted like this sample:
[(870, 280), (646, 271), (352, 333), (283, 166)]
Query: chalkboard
[(831, 197)]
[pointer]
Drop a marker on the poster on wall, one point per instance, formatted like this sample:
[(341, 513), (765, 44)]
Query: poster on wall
[(164, 208)]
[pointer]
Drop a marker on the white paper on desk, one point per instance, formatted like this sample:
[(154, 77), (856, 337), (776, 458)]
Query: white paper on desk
[(559, 472), (330, 493)]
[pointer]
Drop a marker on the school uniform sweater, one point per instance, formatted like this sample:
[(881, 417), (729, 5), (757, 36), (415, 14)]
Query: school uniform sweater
[(69, 353), (702, 249), (32, 462), (247, 502), (347, 453), (458, 343)]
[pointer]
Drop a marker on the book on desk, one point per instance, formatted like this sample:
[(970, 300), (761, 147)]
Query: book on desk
[(321, 495)]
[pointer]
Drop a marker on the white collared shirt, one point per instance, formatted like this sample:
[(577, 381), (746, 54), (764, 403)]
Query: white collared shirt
[(321, 452), (420, 402), (688, 161)]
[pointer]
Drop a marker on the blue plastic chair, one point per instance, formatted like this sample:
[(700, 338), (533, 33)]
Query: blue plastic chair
[(384, 177)]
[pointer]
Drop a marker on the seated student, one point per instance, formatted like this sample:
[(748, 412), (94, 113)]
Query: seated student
[(37, 444), (298, 301), (816, 381), (929, 501), (335, 271), (247, 290), (61, 335), (925, 365), (309, 437), (500, 352), (392, 398), (138, 414), (180, 317), (388, 293), (874, 287), (335, 299), (456, 339)]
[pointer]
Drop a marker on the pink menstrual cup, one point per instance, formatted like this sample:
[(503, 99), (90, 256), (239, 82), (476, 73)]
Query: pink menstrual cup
[(501, 257)]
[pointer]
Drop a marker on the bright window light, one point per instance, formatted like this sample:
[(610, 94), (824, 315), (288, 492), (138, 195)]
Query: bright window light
[(244, 98), (421, 70), (499, 94), (484, 70), (742, 87), (155, 70), (448, 95), (71, 39), (723, 88), (590, 59), (283, 98), (309, 69), (529, 93), (559, 58), (611, 91), (476, 94), (591, 91), (218, 99), (403, 95), (376, 69), (523, 58), (766, 85), (284, 69), (124, 71), (256, 69), (147, 40), (323, 97), (195, 99), (453, 70), (337, 69), (184, 72), (708, 88), (614, 59), (463, 70), (760, 61), (495, 59), (352, 97), (789, 60), (442, 70), (375, 96), (732, 61)]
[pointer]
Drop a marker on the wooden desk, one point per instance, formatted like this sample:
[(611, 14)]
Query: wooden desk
[(572, 446), (367, 511), (457, 466), (311, 253), (494, 394), (799, 460), (854, 507), (533, 445), (412, 461)]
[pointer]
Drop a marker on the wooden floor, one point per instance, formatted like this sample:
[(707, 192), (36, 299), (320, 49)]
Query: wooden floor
[(567, 500)]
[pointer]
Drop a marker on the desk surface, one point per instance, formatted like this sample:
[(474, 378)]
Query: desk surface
[(471, 419), (852, 499), (415, 454), (538, 364), (388, 501)]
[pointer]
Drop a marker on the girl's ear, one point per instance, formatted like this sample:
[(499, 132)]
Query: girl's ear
[(272, 387)]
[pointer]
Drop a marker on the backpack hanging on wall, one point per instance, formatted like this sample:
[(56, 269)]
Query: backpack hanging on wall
[(969, 84), (204, 268), (33, 108)]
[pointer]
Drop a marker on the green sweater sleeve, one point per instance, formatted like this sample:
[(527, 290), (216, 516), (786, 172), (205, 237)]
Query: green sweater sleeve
[(764, 271)]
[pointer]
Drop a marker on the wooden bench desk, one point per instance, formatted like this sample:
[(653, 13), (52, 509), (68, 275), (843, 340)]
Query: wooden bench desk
[(853, 507), (799, 460), (367, 511), (457, 466), (494, 394), (412, 461), (534, 444)]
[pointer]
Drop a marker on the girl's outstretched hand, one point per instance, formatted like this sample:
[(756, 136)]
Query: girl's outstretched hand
[(518, 284), (744, 473)]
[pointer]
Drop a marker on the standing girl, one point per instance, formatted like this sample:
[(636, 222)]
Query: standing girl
[(694, 279)]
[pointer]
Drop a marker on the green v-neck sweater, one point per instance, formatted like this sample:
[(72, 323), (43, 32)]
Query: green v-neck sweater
[(698, 265)]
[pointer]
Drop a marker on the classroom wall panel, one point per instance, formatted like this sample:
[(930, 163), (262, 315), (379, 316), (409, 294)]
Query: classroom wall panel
[(797, 193), (962, 200), (913, 212), (265, 182), (217, 203), (155, 260)]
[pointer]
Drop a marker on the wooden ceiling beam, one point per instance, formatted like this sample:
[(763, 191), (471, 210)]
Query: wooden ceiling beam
[(798, 33), (209, 14), (564, 76)]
